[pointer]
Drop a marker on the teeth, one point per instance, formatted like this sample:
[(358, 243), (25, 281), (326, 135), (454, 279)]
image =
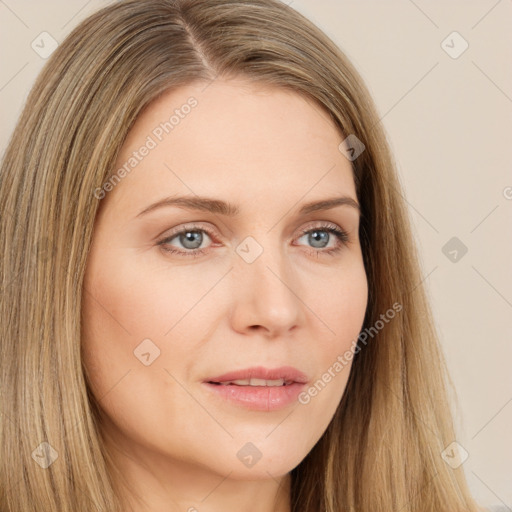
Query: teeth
[(261, 382), (255, 382)]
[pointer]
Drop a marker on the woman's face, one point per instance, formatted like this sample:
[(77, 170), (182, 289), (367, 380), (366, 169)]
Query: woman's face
[(179, 294)]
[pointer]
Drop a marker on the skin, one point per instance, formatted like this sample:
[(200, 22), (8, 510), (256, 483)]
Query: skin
[(269, 151)]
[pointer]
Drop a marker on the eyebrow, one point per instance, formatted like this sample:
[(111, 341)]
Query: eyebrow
[(218, 206)]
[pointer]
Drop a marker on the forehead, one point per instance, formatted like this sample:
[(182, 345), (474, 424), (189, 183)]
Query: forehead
[(242, 139)]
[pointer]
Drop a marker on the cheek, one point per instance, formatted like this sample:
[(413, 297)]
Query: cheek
[(128, 306), (342, 307), (121, 316), (342, 310), (138, 301)]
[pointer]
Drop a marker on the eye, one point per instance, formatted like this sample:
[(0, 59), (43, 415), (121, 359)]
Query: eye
[(320, 236), (191, 239)]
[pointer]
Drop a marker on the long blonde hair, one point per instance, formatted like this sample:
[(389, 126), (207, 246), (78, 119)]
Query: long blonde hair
[(382, 450)]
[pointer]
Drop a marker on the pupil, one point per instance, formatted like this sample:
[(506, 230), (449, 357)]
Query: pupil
[(318, 234), (190, 236)]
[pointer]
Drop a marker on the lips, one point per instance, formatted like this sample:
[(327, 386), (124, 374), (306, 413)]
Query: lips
[(257, 388), (261, 376)]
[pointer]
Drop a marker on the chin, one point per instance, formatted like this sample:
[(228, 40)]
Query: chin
[(261, 471), (273, 462)]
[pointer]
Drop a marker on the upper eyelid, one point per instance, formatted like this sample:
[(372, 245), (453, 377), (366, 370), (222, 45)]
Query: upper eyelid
[(194, 226)]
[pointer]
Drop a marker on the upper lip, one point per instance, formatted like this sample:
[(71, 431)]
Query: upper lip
[(287, 373)]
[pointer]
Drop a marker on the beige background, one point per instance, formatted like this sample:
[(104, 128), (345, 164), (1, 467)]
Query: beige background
[(449, 122)]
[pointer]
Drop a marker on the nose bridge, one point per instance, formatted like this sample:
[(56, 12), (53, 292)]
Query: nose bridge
[(266, 287)]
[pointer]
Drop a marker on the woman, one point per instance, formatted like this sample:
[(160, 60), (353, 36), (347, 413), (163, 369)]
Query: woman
[(292, 363)]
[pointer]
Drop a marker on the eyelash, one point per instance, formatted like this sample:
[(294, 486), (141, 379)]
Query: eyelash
[(341, 235)]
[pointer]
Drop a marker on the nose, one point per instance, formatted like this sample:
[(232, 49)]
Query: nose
[(266, 296)]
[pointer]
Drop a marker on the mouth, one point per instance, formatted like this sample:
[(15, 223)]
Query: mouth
[(254, 382), (259, 388), (261, 376)]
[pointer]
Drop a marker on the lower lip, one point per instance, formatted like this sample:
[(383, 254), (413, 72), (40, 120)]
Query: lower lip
[(258, 398)]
